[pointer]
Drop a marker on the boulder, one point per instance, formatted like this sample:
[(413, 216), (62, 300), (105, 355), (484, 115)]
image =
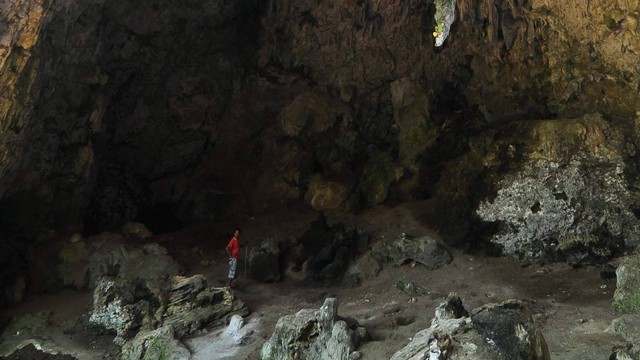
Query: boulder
[(84, 262), (627, 326), (156, 344), (326, 194), (559, 192), (502, 331), (625, 352), (626, 299), (377, 176), (425, 250), (264, 261), (187, 304), (328, 249), (411, 289), (313, 334), (365, 267)]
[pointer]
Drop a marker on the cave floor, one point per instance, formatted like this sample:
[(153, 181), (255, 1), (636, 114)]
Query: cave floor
[(572, 307)]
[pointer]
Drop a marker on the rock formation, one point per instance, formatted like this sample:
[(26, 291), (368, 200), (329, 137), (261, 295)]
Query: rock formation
[(313, 334), (134, 308), (493, 331)]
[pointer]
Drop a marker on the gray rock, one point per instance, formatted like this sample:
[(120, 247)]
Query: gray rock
[(626, 299), (424, 250), (628, 326), (568, 199), (264, 261), (186, 304), (411, 289), (502, 331), (312, 334), (626, 352), (84, 262), (329, 249), (364, 268), (157, 344)]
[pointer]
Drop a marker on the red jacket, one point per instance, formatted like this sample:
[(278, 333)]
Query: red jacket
[(233, 248)]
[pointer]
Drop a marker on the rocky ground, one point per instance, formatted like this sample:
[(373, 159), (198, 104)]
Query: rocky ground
[(572, 307)]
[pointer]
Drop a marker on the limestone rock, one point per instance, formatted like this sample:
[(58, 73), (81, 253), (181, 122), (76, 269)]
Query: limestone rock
[(185, 304), (329, 249), (563, 195), (326, 194), (424, 250), (626, 298), (312, 334), (365, 267), (628, 326), (83, 263), (494, 331), (626, 352), (411, 289), (157, 344), (264, 261)]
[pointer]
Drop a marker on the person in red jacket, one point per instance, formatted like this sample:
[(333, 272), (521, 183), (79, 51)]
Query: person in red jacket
[(233, 250)]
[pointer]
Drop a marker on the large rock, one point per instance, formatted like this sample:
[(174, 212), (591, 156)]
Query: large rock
[(185, 304), (561, 190), (425, 250), (503, 331), (626, 352), (329, 249), (83, 262), (626, 298), (313, 334), (157, 344), (264, 261)]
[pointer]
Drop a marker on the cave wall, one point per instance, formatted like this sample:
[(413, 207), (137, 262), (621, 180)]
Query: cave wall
[(180, 112)]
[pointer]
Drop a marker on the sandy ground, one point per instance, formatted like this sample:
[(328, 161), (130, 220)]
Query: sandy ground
[(572, 307)]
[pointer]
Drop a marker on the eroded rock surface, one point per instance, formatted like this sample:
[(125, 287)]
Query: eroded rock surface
[(424, 250), (84, 262), (626, 299), (264, 261), (562, 190), (185, 304), (493, 331), (313, 334)]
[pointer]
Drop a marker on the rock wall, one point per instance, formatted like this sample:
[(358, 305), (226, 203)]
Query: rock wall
[(176, 112)]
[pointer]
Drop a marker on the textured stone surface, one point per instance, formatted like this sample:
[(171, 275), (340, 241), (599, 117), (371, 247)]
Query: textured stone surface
[(84, 262), (328, 250), (264, 261), (311, 334), (326, 194), (493, 331), (424, 250), (562, 192), (157, 344), (185, 304), (626, 298)]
